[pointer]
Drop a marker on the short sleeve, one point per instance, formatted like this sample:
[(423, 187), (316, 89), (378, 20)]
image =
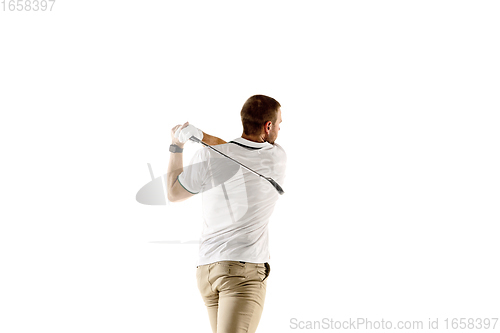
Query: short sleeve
[(194, 176)]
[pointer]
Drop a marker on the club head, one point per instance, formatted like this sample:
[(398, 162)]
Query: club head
[(276, 186)]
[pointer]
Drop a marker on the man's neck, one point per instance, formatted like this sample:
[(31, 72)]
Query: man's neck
[(254, 138)]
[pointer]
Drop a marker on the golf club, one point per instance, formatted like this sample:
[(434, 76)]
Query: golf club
[(272, 181)]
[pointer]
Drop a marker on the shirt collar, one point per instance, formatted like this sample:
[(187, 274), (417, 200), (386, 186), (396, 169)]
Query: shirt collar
[(253, 144)]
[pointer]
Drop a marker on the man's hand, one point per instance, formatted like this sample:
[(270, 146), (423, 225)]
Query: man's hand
[(185, 133), (175, 139)]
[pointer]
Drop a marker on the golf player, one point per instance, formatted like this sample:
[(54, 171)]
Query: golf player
[(233, 261)]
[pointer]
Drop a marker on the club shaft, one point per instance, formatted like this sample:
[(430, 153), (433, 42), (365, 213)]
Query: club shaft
[(206, 145)]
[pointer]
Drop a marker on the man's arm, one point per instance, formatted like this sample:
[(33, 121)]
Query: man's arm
[(175, 191), (212, 140)]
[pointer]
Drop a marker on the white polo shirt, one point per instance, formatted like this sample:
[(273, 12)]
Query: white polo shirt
[(237, 204)]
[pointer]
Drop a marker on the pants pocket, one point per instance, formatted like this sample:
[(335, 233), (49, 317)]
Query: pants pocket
[(228, 269), (198, 276), (264, 271)]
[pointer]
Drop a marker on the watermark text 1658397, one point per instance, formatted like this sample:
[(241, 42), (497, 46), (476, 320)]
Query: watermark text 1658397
[(27, 5)]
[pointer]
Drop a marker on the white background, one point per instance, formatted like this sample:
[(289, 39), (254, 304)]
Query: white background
[(390, 123)]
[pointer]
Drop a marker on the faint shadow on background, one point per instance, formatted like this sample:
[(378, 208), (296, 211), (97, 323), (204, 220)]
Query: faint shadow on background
[(152, 193)]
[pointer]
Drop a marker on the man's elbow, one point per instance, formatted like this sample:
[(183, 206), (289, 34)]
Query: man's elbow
[(171, 197), (178, 193), (175, 197)]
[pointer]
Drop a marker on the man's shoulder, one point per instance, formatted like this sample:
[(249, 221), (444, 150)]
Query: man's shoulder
[(280, 149), (278, 146)]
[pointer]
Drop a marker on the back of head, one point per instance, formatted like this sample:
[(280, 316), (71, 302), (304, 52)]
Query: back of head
[(257, 111)]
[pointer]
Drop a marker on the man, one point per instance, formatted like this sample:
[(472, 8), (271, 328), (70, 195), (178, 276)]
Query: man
[(233, 262)]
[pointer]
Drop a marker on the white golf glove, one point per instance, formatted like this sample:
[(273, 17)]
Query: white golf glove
[(187, 132)]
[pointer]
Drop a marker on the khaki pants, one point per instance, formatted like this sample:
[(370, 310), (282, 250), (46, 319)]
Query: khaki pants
[(234, 294)]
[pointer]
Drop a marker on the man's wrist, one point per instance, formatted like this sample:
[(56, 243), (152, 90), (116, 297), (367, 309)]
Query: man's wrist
[(176, 148)]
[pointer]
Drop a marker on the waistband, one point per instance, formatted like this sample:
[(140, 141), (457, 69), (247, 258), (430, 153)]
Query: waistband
[(244, 263)]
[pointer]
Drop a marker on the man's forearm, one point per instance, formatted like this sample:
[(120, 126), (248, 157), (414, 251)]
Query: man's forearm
[(212, 140), (175, 168)]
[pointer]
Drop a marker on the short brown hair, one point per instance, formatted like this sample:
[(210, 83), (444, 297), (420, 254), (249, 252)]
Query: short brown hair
[(257, 111)]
